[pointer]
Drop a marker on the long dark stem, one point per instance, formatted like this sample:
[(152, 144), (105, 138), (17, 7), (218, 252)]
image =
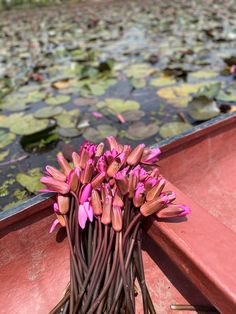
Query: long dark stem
[(109, 280), (124, 277)]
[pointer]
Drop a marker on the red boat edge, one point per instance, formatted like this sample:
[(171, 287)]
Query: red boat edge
[(35, 265)]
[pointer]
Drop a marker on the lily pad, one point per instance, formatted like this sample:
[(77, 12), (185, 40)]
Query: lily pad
[(6, 138), (203, 74), (47, 112), (229, 95), (8, 121), (57, 100), (139, 70), (138, 82), (69, 132), (118, 105), (180, 95), (173, 128), (29, 125), (202, 108), (68, 119), (98, 134), (163, 80), (4, 154), (141, 131), (133, 115), (30, 181)]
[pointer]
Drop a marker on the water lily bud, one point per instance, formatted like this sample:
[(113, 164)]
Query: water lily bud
[(84, 157), (55, 186), (85, 194), (114, 167), (139, 197), (151, 207), (76, 159), (118, 199), (122, 183), (106, 213), (96, 203), (133, 181), (73, 181), (98, 179), (61, 220), (155, 173), (63, 204), (55, 173), (125, 153), (116, 218), (150, 156), (88, 172), (63, 164), (156, 190), (112, 143), (171, 196), (136, 155), (149, 183), (99, 150)]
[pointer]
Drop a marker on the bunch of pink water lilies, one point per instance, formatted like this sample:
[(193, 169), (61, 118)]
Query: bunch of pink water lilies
[(102, 197)]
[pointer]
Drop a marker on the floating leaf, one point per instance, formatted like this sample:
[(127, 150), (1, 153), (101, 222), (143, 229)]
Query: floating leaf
[(139, 70), (98, 134), (6, 138), (180, 95), (8, 121), (202, 108), (140, 130), (163, 80), (203, 74), (133, 115), (47, 112), (173, 128), (4, 154), (61, 84), (229, 95), (210, 91), (57, 100), (30, 181), (72, 132), (138, 83), (118, 105), (28, 125), (68, 119)]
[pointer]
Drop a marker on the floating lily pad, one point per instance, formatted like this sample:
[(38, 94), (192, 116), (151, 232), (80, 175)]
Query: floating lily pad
[(202, 108), (6, 138), (8, 121), (229, 95), (133, 115), (138, 83), (57, 100), (173, 128), (139, 70), (98, 134), (210, 91), (203, 74), (47, 112), (4, 154), (27, 125), (61, 84), (141, 131), (163, 80), (118, 105), (72, 132), (180, 95), (30, 181), (68, 119)]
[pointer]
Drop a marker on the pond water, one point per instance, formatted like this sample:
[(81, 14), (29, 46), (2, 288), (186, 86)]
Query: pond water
[(87, 70)]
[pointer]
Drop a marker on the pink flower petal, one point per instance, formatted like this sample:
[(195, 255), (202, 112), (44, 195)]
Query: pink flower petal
[(82, 216), (54, 224), (97, 115), (89, 210)]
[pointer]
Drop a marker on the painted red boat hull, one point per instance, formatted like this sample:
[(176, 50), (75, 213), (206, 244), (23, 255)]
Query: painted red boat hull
[(185, 262)]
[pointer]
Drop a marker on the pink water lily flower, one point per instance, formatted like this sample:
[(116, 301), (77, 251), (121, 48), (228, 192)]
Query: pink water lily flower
[(85, 212), (150, 156)]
